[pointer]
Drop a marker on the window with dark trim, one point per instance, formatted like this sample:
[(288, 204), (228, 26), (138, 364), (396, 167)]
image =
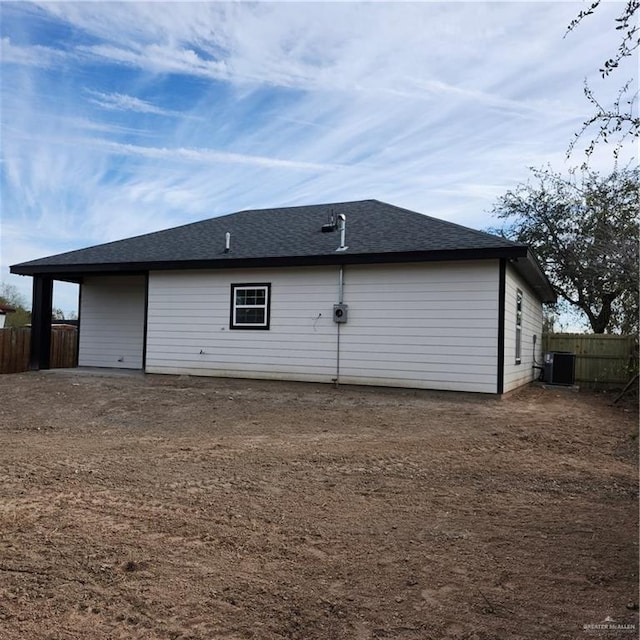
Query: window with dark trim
[(250, 306), (518, 326)]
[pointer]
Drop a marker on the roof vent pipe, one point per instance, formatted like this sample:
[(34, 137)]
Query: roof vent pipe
[(342, 224), (227, 242)]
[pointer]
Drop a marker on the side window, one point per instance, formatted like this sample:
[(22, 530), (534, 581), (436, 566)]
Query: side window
[(518, 326), (250, 306)]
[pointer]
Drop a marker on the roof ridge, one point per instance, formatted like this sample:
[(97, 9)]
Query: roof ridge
[(303, 206)]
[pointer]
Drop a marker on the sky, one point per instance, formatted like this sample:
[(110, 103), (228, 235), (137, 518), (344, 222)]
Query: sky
[(122, 118)]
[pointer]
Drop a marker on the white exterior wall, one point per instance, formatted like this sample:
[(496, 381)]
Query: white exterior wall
[(188, 325), (112, 322), (516, 375), (429, 326)]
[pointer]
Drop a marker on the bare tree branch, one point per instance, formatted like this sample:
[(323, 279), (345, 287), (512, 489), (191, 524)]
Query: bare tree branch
[(619, 121)]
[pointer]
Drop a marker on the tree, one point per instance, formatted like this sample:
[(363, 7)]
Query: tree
[(10, 296), (619, 120), (585, 232)]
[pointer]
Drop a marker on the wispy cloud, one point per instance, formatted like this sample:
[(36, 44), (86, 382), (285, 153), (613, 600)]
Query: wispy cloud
[(123, 102), (161, 59), (34, 55), (208, 156)]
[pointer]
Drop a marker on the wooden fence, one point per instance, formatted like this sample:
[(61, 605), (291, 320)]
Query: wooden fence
[(602, 360), (15, 346)]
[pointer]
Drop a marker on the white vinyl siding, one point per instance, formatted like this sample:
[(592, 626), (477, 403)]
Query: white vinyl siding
[(515, 375), (428, 326), (188, 325), (112, 322)]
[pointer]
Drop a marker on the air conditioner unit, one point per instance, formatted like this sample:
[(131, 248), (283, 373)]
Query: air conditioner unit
[(560, 367), (340, 313)]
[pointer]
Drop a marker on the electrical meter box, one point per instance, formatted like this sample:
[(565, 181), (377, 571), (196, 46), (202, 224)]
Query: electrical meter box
[(340, 313)]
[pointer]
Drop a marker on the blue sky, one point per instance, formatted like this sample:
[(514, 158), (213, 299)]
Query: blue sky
[(123, 118)]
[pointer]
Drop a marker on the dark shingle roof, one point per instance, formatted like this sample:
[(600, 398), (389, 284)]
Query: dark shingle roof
[(375, 232), (372, 227)]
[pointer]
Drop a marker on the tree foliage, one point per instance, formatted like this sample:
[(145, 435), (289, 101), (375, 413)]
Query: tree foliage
[(11, 297), (584, 229), (619, 120)]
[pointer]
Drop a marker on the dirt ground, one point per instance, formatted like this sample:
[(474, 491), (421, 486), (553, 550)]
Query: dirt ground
[(208, 509)]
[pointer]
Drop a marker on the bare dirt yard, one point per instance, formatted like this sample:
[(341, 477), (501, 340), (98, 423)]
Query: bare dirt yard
[(208, 509)]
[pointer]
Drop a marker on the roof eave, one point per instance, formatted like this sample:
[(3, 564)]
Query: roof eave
[(62, 272), (529, 268)]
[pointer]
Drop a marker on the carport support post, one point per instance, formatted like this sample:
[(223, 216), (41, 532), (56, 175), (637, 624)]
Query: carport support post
[(41, 323)]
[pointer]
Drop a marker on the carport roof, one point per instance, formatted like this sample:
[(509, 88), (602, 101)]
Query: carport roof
[(376, 232)]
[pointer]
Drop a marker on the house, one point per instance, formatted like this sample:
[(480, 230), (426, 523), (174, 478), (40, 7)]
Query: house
[(4, 309), (353, 293)]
